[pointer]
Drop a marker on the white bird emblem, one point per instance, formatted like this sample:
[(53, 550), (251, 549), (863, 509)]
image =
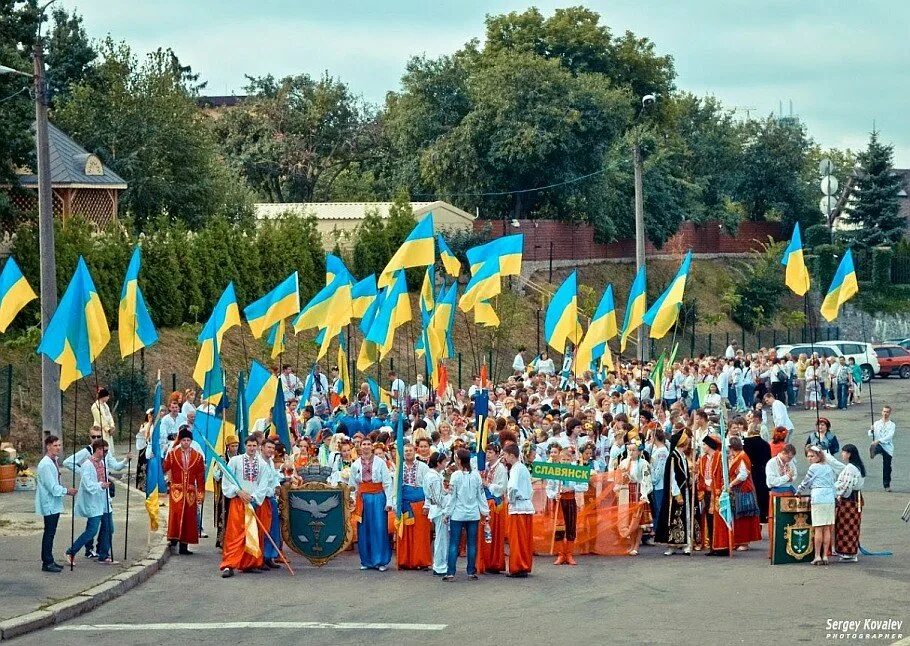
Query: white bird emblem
[(315, 509)]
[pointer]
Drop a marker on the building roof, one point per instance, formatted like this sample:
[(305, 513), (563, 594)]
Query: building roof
[(353, 210), (73, 166)]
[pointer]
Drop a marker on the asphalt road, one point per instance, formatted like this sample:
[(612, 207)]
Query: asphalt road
[(645, 600)]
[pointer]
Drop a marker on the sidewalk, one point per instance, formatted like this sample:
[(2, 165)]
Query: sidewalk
[(26, 588)]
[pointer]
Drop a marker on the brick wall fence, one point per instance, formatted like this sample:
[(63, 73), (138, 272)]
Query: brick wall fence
[(576, 241)]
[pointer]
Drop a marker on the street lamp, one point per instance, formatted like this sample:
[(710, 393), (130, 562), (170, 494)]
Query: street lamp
[(647, 101), (51, 414)]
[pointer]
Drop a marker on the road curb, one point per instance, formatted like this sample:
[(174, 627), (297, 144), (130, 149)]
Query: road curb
[(87, 600)]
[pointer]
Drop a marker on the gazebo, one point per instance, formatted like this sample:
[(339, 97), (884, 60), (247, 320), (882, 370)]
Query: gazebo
[(81, 184)]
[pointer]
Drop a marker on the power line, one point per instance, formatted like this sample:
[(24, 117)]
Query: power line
[(523, 190)]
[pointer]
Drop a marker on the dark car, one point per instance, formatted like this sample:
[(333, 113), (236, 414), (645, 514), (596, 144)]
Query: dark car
[(894, 360)]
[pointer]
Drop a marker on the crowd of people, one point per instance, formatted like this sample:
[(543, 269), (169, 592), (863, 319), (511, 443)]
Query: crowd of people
[(656, 455)]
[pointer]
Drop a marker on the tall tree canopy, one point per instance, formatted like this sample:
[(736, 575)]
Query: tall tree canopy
[(141, 119), (292, 138), (874, 216)]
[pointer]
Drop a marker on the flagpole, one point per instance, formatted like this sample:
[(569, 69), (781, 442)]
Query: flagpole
[(73, 507), (812, 348), (126, 528), (871, 377)]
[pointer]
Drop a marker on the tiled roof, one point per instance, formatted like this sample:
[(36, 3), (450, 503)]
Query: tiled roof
[(68, 162)]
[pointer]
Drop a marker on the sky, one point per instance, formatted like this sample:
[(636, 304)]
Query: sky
[(844, 65)]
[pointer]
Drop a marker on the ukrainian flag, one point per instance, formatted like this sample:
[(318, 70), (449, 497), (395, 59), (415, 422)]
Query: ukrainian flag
[(508, 250), (15, 293), (417, 250), (362, 295), (213, 384), (379, 394), (449, 261), (135, 328), (281, 302), (844, 286), (441, 323), (224, 316), (427, 298), (485, 315), (260, 392), (335, 267), (369, 352), (155, 482), (78, 332), (241, 423), (484, 285), (275, 339), (796, 276), (395, 311), (343, 368), (635, 307), (209, 432), (561, 321), (332, 307), (603, 328), (663, 313)]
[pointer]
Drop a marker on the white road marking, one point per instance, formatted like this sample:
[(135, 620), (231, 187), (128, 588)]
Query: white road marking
[(230, 625)]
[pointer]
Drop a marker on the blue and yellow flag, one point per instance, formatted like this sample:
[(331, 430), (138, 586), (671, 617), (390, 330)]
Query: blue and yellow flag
[(155, 482), (362, 295), (369, 351), (485, 283), (343, 376), (485, 315), (280, 419), (481, 415), (417, 250), (603, 328), (260, 392), (561, 321), (213, 384), (796, 276), (335, 268), (394, 312), (241, 421), (635, 308), (331, 308), (225, 315), (135, 327), (208, 432), (449, 261), (379, 394), (15, 293), (280, 303), (275, 339), (78, 332), (508, 251), (844, 286), (663, 313)]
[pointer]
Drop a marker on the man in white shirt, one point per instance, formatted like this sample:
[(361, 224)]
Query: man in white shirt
[(49, 495), (774, 414), (730, 352), (290, 383), (419, 392), (475, 387), (882, 434), (398, 390), (521, 514), (518, 363)]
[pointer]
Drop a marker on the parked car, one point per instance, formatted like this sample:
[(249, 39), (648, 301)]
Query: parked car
[(894, 360), (904, 343), (863, 353)]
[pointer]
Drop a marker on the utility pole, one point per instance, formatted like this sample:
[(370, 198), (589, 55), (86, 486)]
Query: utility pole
[(51, 416), (639, 234)]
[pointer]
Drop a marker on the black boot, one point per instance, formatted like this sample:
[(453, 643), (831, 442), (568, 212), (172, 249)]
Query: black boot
[(184, 549)]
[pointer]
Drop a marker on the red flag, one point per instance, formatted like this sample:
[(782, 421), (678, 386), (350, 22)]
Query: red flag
[(443, 372), (483, 376)]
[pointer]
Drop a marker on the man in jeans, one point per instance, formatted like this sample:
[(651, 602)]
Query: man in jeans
[(92, 502), (882, 434), (842, 379), (49, 500)]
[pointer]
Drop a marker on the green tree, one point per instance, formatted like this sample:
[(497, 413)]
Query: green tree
[(141, 119), (293, 136), (371, 249), (775, 180), (69, 53), (18, 24), (758, 286), (874, 215)]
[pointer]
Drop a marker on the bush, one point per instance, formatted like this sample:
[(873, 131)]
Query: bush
[(816, 235), (758, 284), (827, 257), (881, 266)]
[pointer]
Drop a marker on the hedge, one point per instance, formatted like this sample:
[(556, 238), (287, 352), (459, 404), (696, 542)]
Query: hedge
[(183, 272)]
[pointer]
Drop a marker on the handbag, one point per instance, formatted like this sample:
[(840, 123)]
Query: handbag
[(744, 504)]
